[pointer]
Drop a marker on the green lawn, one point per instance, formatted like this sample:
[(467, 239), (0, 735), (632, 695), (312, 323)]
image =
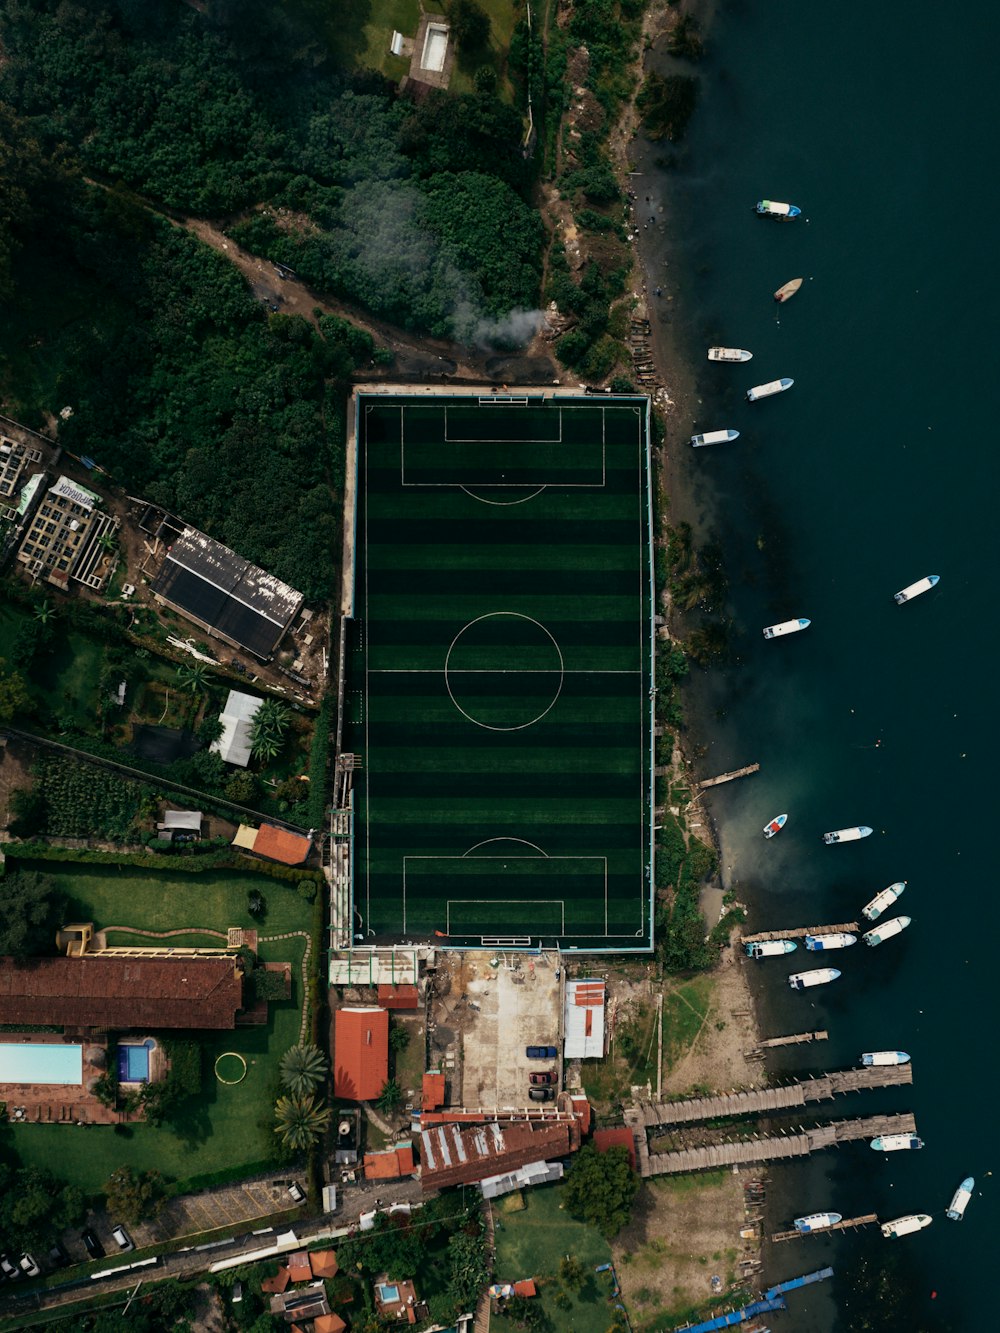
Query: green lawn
[(385, 17), (228, 1127), (532, 1242)]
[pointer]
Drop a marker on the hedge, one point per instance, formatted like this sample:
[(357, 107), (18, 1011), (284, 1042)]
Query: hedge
[(220, 860), (319, 756)]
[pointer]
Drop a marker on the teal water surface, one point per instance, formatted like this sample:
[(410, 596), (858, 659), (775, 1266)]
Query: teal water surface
[(877, 468)]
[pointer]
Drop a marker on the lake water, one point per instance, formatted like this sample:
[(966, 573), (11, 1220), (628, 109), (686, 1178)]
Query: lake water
[(877, 468)]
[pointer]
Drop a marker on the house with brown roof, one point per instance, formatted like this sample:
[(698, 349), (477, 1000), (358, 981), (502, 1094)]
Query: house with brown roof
[(360, 1052), (392, 1164), (273, 843), (455, 1154)]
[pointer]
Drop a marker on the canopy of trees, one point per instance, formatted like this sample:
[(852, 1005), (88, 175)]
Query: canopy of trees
[(600, 1187), (34, 1208), (32, 912)]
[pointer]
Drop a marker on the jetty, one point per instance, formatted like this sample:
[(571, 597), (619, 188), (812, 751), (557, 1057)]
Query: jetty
[(765, 1101), (794, 1039), (772, 1148), (848, 1223), (730, 777), (848, 927), (772, 1299)]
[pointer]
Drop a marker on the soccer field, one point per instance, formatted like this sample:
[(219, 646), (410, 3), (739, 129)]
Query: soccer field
[(499, 690)]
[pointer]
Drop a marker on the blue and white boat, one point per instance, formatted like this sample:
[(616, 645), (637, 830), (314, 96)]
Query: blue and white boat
[(847, 834), (786, 627), (894, 926), (873, 910), (896, 1142), (905, 1226), (771, 208), (816, 1222), (714, 437), (769, 389), (836, 939), (769, 948), (871, 1058), (775, 825), (818, 976), (908, 593), (960, 1200)]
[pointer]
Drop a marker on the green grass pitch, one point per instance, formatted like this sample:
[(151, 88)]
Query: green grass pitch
[(499, 671)]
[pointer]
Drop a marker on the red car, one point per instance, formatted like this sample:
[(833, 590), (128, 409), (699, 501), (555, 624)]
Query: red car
[(549, 1076)]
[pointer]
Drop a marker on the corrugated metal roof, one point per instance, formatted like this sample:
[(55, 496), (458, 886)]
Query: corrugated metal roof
[(583, 1020)]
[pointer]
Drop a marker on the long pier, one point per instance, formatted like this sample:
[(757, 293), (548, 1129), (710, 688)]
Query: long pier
[(730, 777), (848, 1223), (762, 1101), (793, 1040), (799, 932), (778, 1147)]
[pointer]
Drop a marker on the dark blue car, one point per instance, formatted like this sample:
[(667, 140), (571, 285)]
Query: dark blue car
[(541, 1052)]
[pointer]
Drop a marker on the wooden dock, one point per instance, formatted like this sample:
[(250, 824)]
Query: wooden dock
[(793, 1040), (778, 1147), (848, 1222), (730, 777), (764, 1101), (797, 934)]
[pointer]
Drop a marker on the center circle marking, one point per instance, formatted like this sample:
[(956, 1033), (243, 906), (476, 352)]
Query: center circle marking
[(558, 671)]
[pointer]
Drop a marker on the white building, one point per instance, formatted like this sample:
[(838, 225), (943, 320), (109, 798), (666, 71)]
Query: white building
[(583, 1020), (237, 728)]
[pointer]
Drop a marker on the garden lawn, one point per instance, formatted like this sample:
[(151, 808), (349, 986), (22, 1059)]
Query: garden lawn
[(532, 1242), (227, 1129)]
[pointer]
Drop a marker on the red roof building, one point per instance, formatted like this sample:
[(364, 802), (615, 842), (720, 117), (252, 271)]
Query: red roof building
[(143, 990), (390, 1165), (398, 997), (360, 1052), (433, 1090), (526, 1287), (462, 1154), (616, 1138), (277, 844)]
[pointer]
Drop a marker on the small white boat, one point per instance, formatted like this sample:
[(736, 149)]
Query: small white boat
[(819, 976), (775, 826), (786, 627), (847, 834), (894, 926), (896, 1142), (715, 437), (769, 948), (915, 589), (729, 354), (905, 1226), (873, 910), (960, 1199), (787, 290), (771, 208), (837, 939), (885, 1058), (816, 1221), (768, 390)]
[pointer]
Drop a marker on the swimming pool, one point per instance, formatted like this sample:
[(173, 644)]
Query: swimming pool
[(387, 1294), (40, 1062), (435, 47), (133, 1062)]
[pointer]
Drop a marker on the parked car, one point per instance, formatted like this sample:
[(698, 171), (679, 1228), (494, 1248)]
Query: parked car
[(91, 1244), (58, 1256), (541, 1094), (9, 1269), (122, 1239), (541, 1052), (297, 1192), (29, 1267), (544, 1078)]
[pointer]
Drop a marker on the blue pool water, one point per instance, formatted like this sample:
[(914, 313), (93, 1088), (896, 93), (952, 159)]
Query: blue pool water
[(387, 1294), (133, 1064), (40, 1062)]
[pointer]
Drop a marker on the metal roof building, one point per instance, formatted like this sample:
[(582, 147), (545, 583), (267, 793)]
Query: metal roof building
[(583, 1020), (234, 745)]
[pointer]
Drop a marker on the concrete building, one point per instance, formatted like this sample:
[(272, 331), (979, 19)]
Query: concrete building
[(65, 539)]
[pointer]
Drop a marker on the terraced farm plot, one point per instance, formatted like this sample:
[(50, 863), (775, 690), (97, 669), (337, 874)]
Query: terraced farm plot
[(500, 670)]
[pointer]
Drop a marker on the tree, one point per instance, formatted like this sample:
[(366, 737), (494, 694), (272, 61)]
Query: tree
[(133, 1196), (600, 1188), (256, 904), (32, 912), (192, 677), (303, 1069), (469, 1268), (399, 1036), (14, 696), (391, 1096), (210, 730), (44, 612), (29, 811), (470, 24), (241, 788), (34, 1206), (571, 1272), (300, 1121)]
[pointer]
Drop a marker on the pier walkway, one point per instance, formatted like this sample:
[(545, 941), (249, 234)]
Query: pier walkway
[(730, 777), (776, 1147), (800, 932), (848, 1223), (761, 1101), (793, 1039)]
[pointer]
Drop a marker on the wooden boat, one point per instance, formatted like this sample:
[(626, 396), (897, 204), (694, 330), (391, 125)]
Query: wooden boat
[(729, 354), (787, 290)]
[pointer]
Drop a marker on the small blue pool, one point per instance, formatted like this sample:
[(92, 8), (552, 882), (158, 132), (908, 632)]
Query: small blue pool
[(40, 1062), (133, 1062), (386, 1293)]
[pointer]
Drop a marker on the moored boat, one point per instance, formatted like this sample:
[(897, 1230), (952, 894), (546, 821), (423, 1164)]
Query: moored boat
[(769, 948), (715, 437), (885, 1058), (787, 290), (847, 834), (960, 1199), (837, 939), (816, 1221), (729, 354), (896, 1142), (908, 593), (894, 926), (905, 1226), (873, 910), (771, 208), (786, 627), (769, 389), (819, 976), (775, 826)]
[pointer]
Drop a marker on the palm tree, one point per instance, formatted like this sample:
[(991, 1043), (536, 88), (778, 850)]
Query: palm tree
[(44, 612), (390, 1096), (193, 677), (272, 715), (303, 1069), (300, 1121), (264, 744)]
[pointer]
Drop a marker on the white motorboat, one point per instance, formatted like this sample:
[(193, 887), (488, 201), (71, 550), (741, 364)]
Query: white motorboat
[(894, 926), (847, 834), (896, 1142), (769, 948), (816, 1222), (905, 1226), (775, 825), (729, 354), (786, 627), (819, 976), (873, 910), (714, 437), (960, 1199), (836, 939), (885, 1058), (915, 589), (768, 390)]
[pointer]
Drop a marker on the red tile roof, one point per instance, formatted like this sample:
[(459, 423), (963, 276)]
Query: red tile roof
[(398, 997), (433, 1090), (616, 1138), (142, 991), (525, 1287), (391, 1164), (328, 1323), (299, 1267), (277, 844), (455, 1155), (324, 1263), (360, 1052), (277, 1283)]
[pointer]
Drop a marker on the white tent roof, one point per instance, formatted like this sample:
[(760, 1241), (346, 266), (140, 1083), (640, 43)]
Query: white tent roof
[(583, 1020), (237, 724), (183, 819)]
